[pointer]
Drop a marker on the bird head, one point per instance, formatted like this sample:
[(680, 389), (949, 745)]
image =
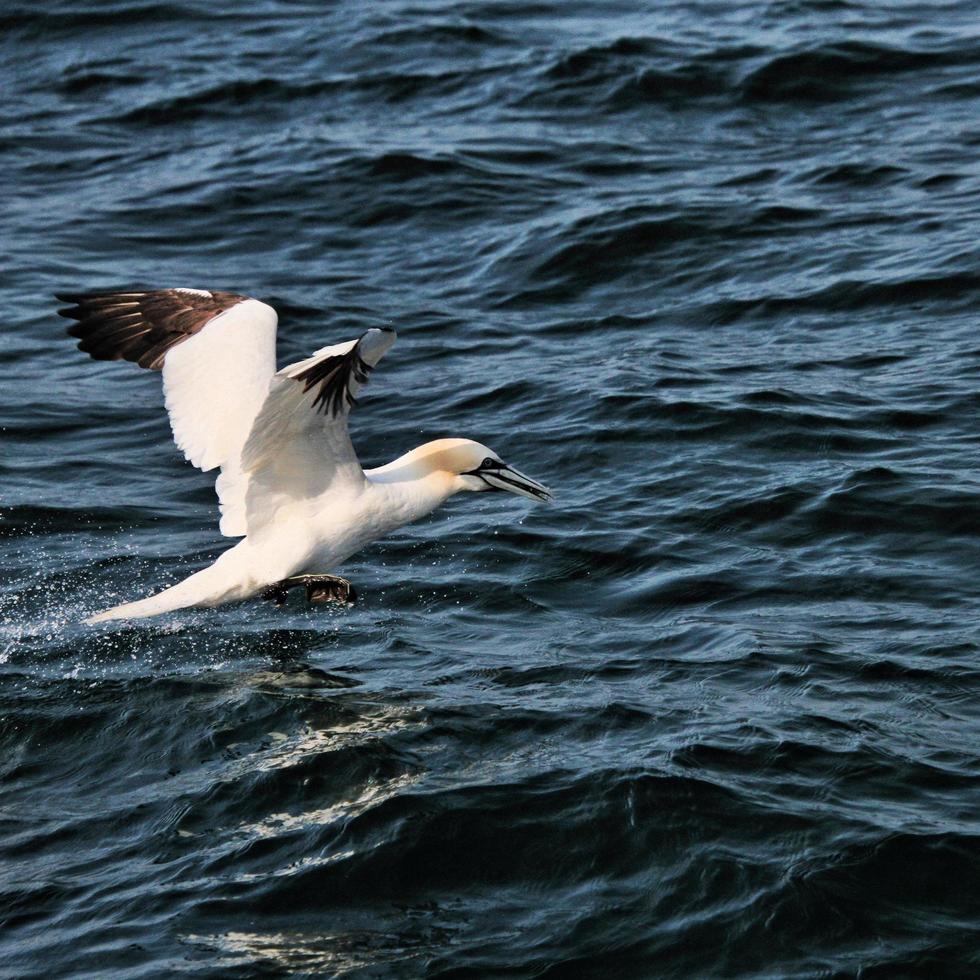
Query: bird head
[(473, 466)]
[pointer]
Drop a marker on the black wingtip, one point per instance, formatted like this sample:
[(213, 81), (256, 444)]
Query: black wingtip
[(69, 311), (75, 298), (140, 326), (334, 375)]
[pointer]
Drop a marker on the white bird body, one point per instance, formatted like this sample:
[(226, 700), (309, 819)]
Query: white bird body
[(290, 482), (315, 536)]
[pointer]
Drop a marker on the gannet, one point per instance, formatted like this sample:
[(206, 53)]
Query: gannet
[(290, 484)]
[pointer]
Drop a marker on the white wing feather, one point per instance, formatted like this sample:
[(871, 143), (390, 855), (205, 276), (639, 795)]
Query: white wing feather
[(296, 451), (214, 384)]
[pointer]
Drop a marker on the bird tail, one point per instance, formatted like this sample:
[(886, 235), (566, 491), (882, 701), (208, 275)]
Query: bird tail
[(209, 587)]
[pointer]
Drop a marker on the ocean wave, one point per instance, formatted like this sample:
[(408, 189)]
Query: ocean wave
[(630, 72), (857, 174), (439, 33), (954, 290), (84, 82), (43, 21), (268, 93), (843, 70)]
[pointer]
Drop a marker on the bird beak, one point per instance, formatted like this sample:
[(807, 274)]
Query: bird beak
[(505, 477)]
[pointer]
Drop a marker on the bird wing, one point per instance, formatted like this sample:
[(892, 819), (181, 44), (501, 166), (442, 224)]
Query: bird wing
[(299, 446), (217, 351)]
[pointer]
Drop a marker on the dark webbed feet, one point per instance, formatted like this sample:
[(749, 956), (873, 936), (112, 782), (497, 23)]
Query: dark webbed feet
[(319, 588), (329, 588), (277, 593)]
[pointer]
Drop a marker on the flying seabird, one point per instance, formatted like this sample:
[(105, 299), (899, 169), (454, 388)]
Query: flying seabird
[(290, 484)]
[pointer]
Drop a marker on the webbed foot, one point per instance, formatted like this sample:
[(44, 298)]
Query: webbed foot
[(319, 588)]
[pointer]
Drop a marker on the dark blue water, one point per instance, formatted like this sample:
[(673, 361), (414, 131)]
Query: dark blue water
[(710, 270)]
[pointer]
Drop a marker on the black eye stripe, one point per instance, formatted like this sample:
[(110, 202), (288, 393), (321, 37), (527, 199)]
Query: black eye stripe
[(488, 465)]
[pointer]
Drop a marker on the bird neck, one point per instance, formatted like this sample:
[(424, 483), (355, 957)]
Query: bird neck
[(411, 486)]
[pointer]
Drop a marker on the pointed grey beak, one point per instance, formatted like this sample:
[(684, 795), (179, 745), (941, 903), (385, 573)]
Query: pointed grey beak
[(504, 477)]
